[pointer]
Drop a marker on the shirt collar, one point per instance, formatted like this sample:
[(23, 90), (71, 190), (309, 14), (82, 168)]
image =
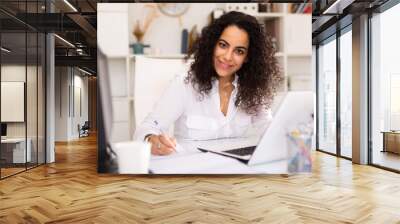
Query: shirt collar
[(235, 81), (216, 82)]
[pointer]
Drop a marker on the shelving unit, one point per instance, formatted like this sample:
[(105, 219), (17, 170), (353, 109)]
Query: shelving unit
[(291, 33), (121, 91), (269, 15), (142, 69)]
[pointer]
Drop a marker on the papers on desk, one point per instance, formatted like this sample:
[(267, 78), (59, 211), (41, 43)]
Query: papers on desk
[(179, 148), (189, 160), (197, 163), (211, 163)]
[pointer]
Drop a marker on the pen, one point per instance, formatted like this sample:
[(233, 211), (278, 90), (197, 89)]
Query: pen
[(162, 133)]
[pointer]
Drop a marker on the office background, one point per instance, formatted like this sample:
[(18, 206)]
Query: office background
[(358, 85), (22, 108), (138, 80), (325, 39), (69, 189), (38, 107)]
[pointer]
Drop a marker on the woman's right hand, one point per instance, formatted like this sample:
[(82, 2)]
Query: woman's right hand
[(162, 144)]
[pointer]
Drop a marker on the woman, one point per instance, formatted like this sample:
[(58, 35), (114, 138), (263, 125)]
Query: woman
[(229, 87)]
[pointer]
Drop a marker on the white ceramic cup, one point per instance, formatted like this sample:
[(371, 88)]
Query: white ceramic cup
[(133, 157)]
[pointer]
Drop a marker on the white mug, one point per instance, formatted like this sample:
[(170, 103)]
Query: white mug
[(133, 157)]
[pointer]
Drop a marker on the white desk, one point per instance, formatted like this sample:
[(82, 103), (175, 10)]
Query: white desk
[(18, 149), (192, 161)]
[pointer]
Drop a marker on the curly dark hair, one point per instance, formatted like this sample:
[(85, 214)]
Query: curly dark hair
[(258, 78)]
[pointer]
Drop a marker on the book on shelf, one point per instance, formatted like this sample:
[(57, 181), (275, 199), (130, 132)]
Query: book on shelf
[(300, 8)]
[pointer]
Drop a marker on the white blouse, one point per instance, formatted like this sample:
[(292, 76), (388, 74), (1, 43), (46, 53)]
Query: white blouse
[(200, 119)]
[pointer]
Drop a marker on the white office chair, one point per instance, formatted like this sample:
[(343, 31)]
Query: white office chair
[(152, 76)]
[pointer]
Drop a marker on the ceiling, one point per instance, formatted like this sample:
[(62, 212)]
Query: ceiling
[(76, 26), (329, 16)]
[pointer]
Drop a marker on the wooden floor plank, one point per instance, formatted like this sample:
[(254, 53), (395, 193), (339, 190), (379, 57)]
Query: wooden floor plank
[(71, 191)]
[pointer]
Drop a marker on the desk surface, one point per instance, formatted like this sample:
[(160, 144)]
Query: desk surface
[(13, 140), (390, 132), (192, 161)]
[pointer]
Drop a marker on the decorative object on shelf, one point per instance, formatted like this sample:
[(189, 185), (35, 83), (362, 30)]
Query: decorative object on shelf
[(193, 35), (308, 9), (262, 7), (173, 9), (138, 48), (139, 31), (185, 41), (248, 8), (300, 7), (216, 13), (265, 7)]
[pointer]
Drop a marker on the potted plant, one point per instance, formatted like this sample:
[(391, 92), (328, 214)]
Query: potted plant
[(140, 30)]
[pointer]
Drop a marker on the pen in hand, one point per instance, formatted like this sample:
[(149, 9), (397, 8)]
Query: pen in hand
[(164, 138)]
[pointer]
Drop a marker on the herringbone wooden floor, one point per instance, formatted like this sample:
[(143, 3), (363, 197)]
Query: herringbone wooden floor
[(70, 191)]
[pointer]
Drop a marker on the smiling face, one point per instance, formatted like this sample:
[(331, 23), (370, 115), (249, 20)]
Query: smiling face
[(230, 51)]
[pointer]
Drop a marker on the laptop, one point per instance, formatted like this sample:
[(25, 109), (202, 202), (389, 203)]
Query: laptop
[(297, 107)]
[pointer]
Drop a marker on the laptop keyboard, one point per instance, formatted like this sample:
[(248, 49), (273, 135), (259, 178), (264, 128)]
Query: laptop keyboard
[(242, 151)]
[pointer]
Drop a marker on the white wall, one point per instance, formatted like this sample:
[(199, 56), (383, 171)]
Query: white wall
[(112, 29), (62, 81), (85, 98), (164, 34), (16, 73), (79, 117), (68, 80), (33, 127), (13, 73)]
